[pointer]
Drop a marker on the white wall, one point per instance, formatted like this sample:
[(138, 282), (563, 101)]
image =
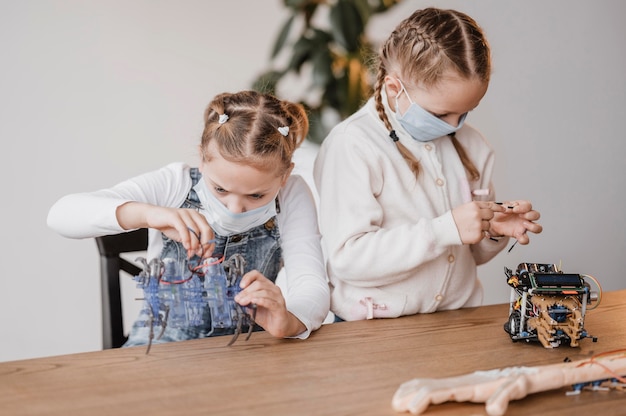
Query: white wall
[(94, 92)]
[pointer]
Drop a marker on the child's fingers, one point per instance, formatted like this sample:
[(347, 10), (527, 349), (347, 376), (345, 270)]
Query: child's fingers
[(533, 227), (496, 206)]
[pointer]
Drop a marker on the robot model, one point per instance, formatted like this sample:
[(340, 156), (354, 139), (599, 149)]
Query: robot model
[(548, 305)]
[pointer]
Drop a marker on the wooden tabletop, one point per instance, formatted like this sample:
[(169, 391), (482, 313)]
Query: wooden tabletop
[(349, 368)]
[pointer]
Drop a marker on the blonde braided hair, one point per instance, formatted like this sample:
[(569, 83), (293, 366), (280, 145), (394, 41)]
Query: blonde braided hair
[(425, 46)]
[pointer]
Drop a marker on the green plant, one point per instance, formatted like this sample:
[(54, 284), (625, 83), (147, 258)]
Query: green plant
[(332, 60)]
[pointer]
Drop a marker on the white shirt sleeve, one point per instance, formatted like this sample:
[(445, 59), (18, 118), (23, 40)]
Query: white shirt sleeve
[(306, 289), (93, 214)]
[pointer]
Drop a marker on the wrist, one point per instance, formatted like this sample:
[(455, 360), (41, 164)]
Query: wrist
[(295, 327), (130, 215)]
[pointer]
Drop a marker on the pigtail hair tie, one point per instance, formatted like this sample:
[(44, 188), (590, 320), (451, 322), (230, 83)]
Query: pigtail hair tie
[(284, 130), (393, 136), (223, 118)]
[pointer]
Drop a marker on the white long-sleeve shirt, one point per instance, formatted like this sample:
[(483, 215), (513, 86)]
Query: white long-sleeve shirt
[(305, 287), (391, 242)]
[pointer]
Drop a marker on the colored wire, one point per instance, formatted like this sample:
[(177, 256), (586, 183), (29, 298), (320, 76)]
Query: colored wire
[(594, 360), (599, 290)]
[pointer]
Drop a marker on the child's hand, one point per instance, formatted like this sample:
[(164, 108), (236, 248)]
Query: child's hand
[(473, 219), (187, 226), (515, 221), (271, 310)]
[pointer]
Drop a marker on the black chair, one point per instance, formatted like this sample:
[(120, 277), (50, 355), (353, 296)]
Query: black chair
[(111, 264)]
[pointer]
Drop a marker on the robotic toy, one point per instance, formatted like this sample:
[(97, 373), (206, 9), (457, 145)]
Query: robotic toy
[(548, 305), (177, 296)]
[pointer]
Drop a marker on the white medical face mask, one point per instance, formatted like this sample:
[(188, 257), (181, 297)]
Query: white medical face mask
[(422, 125), (223, 221)]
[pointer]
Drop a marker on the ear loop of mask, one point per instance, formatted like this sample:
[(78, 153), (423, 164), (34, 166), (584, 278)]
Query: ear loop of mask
[(392, 133)]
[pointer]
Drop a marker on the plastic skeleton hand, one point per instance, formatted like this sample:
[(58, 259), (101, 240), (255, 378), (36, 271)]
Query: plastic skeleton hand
[(148, 280), (173, 295), (497, 387), (236, 265), (176, 294), (222, 285)]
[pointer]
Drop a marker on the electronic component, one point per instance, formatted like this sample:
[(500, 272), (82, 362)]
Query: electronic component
[(178, 292), (548, 305)]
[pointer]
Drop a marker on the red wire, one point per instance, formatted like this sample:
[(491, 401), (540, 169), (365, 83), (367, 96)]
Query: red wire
[(193, 272), (593, 360)]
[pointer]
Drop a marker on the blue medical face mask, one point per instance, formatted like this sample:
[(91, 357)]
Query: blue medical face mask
[(223, 221), (422, 125)]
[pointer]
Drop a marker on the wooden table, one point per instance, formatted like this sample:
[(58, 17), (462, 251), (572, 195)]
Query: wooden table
[(350, 368)]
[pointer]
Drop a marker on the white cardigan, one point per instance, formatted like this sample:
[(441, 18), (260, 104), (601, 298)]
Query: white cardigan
[(391, 243), (305, 287)]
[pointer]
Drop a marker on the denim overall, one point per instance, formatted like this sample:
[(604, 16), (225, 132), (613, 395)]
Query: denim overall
[(260, 247)]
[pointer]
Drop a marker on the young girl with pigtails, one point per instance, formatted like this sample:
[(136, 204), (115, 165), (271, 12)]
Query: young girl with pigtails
[(241, 199), (407, 204)]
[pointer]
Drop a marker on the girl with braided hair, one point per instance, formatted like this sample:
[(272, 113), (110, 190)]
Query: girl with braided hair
[(241, 199), (407, 206)]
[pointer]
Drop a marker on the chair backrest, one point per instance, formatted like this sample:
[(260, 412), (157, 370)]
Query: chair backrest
[(111, 264)]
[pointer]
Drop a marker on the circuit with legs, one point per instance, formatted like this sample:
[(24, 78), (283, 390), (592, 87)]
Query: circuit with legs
[(177, 295), (548, 305)]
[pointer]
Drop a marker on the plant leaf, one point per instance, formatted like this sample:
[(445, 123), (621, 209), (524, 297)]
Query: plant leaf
[(295, 4), (317, 130), (282, 36), (301, 53), (322, 67), (346, 25), (320, 38)]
